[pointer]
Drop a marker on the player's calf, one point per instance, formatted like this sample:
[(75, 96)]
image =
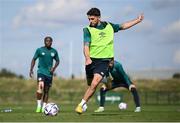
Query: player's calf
[(136, 97), (39, 102)]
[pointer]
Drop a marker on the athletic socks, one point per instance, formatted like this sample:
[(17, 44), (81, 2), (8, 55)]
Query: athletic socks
[(102, 97), (43, 106), (39, 103), (135, 96), (82, 102)]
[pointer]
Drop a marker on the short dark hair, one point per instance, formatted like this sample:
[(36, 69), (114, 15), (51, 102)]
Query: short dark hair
[(48, 37), (94, 12)]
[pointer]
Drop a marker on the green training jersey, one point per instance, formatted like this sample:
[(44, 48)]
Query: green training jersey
[(101, 39), (102, 42), (87, 35), (118, 74), (45, 57)]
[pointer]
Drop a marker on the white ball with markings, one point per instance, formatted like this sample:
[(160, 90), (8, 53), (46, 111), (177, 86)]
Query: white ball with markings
[(51, 109), (122, 106)]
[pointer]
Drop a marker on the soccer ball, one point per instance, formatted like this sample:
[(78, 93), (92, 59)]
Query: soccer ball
[(51, 109), (122, 106)]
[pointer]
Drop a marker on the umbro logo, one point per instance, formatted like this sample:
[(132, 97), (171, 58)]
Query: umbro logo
[(102, 34)]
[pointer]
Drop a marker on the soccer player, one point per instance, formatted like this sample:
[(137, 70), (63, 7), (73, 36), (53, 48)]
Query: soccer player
[(118, 78), (46, 55), (99, 50)]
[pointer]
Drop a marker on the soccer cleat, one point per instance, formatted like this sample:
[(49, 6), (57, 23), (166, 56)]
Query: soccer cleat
[(79, 109), (100, 109), (38, 109), (138, 109)]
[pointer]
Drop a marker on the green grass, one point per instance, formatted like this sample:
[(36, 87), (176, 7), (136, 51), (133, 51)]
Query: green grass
[(165, 113), (19, 95)]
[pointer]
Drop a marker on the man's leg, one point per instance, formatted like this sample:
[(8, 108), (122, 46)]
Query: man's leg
[(105, 88), (45, 97), (39, 95), (89, 92), (129, 85), (136, 98), (103, 91), (96, 80), (102, 96)]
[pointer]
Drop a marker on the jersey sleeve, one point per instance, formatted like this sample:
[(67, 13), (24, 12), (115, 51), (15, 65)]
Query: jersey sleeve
[(56, 57), (116, 27), (121, 72), (87, 35), (36, 55), (117, 66)]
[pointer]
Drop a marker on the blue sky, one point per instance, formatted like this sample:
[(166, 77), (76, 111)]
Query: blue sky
[(155, 43)]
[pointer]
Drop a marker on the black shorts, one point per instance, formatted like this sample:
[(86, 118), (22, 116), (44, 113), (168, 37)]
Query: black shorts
[(99, 66), (46, 79), (116, 84)]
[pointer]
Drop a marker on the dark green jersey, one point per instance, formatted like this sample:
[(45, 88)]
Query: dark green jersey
[(45, 57), (118, 73)]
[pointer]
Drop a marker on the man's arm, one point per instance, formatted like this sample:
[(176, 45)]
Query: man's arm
[(56, 58), (87, 54), (131, 23), (87, 40), (36, 55), (32, 67), (55, 66)]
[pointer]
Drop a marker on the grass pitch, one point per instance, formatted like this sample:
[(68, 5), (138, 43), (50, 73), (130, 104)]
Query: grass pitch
[(26, 113), (19, 95)]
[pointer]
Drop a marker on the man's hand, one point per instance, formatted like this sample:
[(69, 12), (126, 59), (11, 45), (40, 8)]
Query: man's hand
[(109, 82), (131, 23), (88, 61), (52, 70), (31, 73), (132, 86), (140, 17)]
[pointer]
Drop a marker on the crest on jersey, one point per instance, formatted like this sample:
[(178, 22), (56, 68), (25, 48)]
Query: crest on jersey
[(52, 54), (43, 53)]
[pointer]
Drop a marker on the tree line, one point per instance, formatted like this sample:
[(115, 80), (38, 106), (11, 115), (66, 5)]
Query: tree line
[(9, 74)]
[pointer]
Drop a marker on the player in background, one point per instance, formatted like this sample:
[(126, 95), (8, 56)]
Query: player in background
[(118, 78), (45, 55), (99, 50)]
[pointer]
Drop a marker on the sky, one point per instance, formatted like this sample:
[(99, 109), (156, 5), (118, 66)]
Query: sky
[(152, 44)]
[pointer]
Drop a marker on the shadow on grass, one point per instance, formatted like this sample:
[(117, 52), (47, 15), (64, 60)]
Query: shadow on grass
[(110, 114)]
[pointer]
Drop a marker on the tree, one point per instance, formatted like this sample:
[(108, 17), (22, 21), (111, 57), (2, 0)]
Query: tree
[(176, 76), (6, 73)]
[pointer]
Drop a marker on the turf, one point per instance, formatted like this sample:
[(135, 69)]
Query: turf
[(26, 113), (67, 93)]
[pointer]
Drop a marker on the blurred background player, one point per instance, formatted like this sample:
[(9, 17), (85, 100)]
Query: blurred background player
[(46, 55), (118, 78), (99, 50)]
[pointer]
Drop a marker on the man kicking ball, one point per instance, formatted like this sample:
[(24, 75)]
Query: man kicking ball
[(99, 50)]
